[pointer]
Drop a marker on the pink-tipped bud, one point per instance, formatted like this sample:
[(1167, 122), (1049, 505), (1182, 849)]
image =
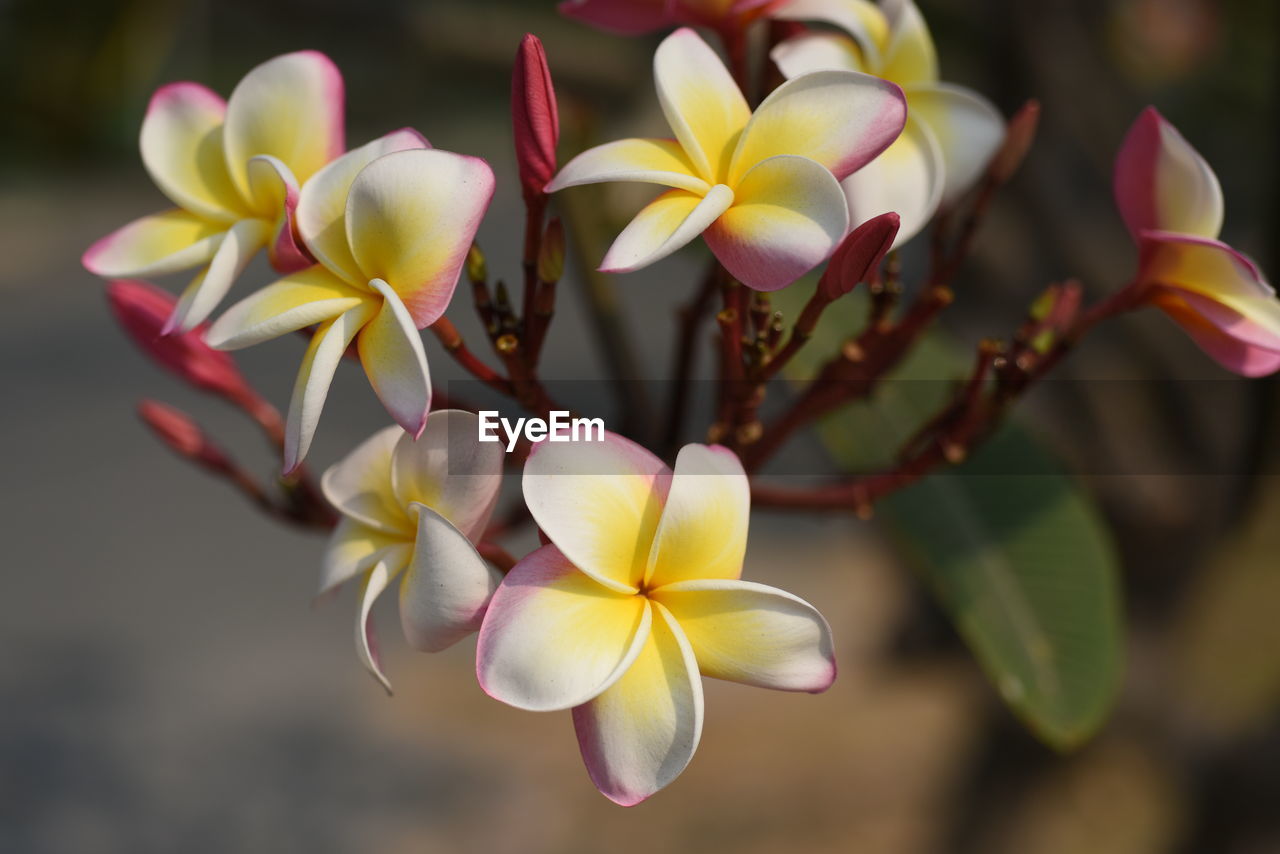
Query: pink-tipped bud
[(859, 255), (1018, 138), (534, 116), (142, 309), (183, 436)]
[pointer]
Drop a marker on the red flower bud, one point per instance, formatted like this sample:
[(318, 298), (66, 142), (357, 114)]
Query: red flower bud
[(1018, 138), (859, 255), (183, 436), (534, 116), (142, 310)]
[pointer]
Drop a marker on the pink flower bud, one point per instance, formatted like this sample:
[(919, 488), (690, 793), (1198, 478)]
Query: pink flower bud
[(534, 116), (1018, 138), (183, 436), (142, 310), (859, 255)]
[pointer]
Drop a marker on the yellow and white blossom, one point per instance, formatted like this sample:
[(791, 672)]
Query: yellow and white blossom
[(390, 224), (761, 188), (951, 132), (636, 595), (413, 509), (233, 168)]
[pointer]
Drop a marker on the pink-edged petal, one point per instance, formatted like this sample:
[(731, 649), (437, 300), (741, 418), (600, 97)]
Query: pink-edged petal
[(355, 548), (322, 204), (359, 486), (553, 638), (390, 349), (703, 530), (703, 106), (649, 161), (841, 119), (666, 224), (315, 376), (155, 245), (181, 144), (275, 191), (1238, 344), (446, 587), (910, 56), (366, 641), (625, 17), (1211, 269), (810, 52), (410, 220), (752, 633), (449, 470), (207, 290), (789, 213), (1163, 184), (290, 107), (860, 19), (968, 128), (641, 732), (295, 302), (907, 179), (599, 502)]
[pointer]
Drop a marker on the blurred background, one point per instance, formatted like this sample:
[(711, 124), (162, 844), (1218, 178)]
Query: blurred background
[(166, 683)]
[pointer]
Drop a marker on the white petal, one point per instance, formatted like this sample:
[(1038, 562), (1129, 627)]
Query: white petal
[(446, 588), (181, 144), (553, 638), (666, 224), (359, 485), (449, 470), (968, 128), (907, 179), (752, 633), (202, 296), (640, 733), (355, 548), (295, 302), (390, 348), (366, 641)]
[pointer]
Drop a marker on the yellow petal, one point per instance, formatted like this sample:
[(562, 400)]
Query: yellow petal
[(650, 161), (181, 144), (703, 530), (641, 732), (553, 638), (666, 224), (910, 56), (702, 104), (295, 302), (155, 245)]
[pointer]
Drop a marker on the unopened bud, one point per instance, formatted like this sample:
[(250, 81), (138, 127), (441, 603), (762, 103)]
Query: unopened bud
[(477, 267), (859, 255), (535, 118), (183, 436), (1018, 138), (142, 309)]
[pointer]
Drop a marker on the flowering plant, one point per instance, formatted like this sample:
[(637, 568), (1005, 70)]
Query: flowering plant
[(806, 165)]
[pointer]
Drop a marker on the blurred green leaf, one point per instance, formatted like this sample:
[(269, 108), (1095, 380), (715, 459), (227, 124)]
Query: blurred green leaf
[(1015, 552)]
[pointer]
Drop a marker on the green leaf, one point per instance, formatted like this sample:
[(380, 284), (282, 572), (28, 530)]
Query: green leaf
[(1015, 552)]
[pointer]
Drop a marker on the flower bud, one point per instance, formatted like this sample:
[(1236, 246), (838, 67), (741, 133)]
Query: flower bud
[(534, 116), (1018, 138), (183, 436), (142, 309), (859, 255), (551, 255)]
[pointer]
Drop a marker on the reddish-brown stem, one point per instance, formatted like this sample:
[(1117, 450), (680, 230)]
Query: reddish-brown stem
[(451, 339), (691, 317), (496, 555)]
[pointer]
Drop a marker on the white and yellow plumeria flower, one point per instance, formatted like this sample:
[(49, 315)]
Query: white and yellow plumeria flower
[(390, 224), (951, 132), (413, 509), (233, 169), (763, 190), (637, 594), (1172, 203)]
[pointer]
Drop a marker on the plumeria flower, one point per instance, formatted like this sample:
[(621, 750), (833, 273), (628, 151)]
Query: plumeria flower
[(762, 189), (233, 169), (634, 17), (1172, 204), (951, 132), (638, 593), (390, 224), (413, 509)]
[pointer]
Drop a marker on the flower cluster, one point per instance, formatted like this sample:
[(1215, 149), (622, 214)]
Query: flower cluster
[(636, 593)]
